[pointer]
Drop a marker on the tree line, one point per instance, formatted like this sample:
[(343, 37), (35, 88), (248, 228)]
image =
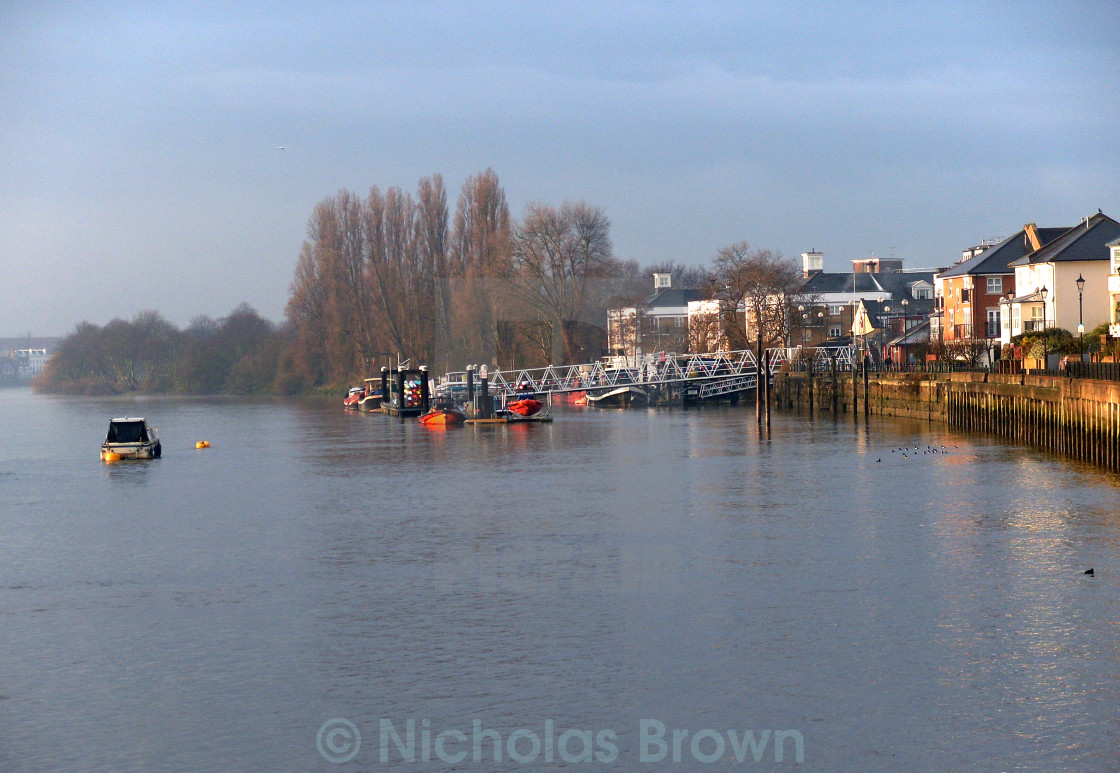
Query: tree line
[(242, 353), (394, 275)]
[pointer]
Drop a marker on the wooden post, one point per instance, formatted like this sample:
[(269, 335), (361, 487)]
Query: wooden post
[(758, 381), (835, 385), (855, 383), (810, 387), (866, 401), (766, 369)]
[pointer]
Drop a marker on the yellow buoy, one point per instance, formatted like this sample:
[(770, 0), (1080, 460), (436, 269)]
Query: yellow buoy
[(202, 444), (109, 456)]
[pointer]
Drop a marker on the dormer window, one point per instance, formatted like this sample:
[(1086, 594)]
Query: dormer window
[(662, 281), (1116, 260)]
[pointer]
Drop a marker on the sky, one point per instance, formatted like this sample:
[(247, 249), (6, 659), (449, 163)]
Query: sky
[(141, 164)]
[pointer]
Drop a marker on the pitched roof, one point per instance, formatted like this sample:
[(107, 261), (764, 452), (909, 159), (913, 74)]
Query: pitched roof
[(914, 335), (840, 282), (847, 282), (672, 296), (998, 259), (1087, 241)]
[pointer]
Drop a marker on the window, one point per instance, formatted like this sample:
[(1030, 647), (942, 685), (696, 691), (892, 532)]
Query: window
[(834, 331), (1116, 260), (835, 308), (1036, 322), (922, 293), (966, 295), (993, 323), (995, 285), (806, 335)]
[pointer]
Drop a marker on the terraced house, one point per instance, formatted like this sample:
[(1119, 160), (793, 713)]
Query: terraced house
[(969, 294), (1047, 291)]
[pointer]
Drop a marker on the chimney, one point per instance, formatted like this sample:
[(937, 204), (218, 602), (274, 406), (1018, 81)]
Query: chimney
[(812, 262), (1030, 231)]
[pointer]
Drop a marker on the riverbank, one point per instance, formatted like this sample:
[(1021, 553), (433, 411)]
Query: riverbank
[(1079, 418)]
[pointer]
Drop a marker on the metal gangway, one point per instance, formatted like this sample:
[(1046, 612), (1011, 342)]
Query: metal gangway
[(711, 374)]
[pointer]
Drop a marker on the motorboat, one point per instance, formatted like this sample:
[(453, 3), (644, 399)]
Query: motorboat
[(130, 438), (354, 397), (619, 397), (371, 401), (443, 415)]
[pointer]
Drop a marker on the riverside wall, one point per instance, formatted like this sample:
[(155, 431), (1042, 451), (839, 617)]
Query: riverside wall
[(1076, 417)]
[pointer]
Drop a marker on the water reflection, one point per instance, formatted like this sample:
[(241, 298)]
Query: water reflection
[(682, 565)]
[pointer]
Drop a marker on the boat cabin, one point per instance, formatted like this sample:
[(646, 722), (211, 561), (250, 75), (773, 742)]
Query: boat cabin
[(127, 431)]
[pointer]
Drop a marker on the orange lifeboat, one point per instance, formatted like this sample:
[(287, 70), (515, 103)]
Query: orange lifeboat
[(443, 416), (525, 406)]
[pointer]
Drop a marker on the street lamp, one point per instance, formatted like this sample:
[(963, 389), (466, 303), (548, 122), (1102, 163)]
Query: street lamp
[(1045, 350), (1081, 315)]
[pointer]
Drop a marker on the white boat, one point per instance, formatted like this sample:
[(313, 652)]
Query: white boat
[(130, 438)]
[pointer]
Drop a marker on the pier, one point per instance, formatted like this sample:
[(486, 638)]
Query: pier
[(662, 378)]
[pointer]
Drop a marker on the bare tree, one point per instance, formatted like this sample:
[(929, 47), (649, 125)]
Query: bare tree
[(433, 293), (758, 291), (558, 254), (479, 254), (686, 277)]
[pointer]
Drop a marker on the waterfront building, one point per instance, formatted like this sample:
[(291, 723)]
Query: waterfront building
[(657, 324), (895, 299), (30, 363), (969, 294), (1046, 293), (1114, 289)]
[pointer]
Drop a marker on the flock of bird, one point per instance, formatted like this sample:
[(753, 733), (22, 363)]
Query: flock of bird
[(905, 451)]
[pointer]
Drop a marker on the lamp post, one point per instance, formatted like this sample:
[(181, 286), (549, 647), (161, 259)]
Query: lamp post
[(1045, 350), (1081, 315)]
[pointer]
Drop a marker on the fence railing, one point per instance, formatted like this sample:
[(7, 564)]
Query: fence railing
[(1104, 371)]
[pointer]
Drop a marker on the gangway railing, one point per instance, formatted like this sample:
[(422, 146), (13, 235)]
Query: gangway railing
[(660, 368), (715, 373)]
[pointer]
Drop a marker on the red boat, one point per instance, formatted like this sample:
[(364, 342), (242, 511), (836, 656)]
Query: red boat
[(354, 397), (525, 406), (443, 416)]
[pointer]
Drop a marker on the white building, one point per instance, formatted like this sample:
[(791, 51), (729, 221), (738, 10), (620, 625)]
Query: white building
[(658, 324), (30, 363), (1046, 293)]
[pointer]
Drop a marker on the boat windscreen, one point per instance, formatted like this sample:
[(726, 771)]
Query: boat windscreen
[(126, 432)]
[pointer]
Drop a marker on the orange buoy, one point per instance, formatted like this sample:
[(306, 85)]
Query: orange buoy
[(202, 444), (109, 456)]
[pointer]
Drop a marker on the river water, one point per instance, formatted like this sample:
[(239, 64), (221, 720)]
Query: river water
[(292, 597)]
